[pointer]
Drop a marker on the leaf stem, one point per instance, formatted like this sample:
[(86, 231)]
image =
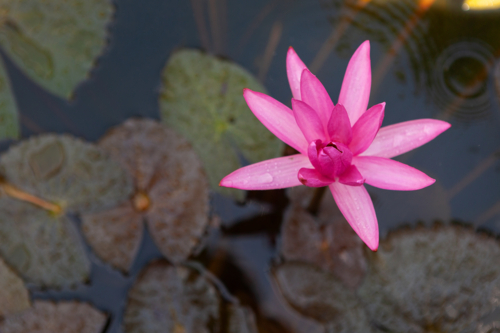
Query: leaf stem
[(21, 195)]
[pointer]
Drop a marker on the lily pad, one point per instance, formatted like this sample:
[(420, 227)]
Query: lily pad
[(48, 317), (325, 240), (9, 124), (202, 98), (14, 296), (54, 42), (445, 278), (319, 295), (70, 172), (171, 299), (171, 195), (44, 246)]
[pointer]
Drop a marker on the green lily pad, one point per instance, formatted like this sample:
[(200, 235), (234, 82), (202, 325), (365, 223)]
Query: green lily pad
[(9, 124), (171, 195), (171, 299), (443, 279), (319, 295), (49, 317), (54, 42), (44, 247), (67, 171), (14, 296), (202, 98)]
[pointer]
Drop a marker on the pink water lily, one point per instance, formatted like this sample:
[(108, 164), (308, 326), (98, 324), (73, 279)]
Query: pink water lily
[(341, 146)]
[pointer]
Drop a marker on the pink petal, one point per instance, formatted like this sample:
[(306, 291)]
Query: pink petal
[(314, 94), (271, 174), (294, 68), (391, 175), (278, 118), (352, 177), (356, 205), (355, 91), (308, 121), (339, 127), (312, 178), (366, 128), (399, 138)]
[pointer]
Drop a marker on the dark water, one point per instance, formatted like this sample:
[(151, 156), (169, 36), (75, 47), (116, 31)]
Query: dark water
[(446, 65)]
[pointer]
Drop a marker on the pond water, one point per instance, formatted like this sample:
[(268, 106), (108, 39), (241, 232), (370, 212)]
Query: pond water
[(430, 59)]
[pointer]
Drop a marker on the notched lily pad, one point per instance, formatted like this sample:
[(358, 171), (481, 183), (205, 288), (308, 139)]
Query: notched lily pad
[(43, 246), (171, 195), (445, 278), (171, 299), (9, 124), (14, 296), (202, 98), (55, 42), (326, 240), (319, 295), (48, 317), (67, 171), (45, 249)]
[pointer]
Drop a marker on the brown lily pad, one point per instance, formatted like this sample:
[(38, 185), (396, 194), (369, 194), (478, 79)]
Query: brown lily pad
[(325, 240), (171, 299), (445, 278), (49, 317), (14, 296), (321, 296), (171, 195)]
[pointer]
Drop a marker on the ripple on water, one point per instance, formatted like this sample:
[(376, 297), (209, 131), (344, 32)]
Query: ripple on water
[(461, 80)]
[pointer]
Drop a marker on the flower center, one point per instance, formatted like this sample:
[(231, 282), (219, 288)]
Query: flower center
[(330, 159)]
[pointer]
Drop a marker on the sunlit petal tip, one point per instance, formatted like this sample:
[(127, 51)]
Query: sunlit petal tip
[(294, 68), (355, 91)]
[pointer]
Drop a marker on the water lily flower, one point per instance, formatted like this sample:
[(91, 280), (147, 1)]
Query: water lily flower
[(341, 146)]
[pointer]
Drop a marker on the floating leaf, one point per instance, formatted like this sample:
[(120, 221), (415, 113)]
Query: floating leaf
[(44, 246), (326, 241), (9, 124), (13, 294), (48, 317), (171, 299), (202, 99), (319, 295), (445, 278), (67, 171), (171, 194), (54, 42)]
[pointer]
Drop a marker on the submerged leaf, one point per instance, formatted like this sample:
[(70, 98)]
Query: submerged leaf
[(171, 194), (48, 317), (202, 99), (9, 124), (326, 241), (445, 278), (241, 319), (13, 294), (67, 171), (319, 295), (45, 249), (55, 42), (171, 299)]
